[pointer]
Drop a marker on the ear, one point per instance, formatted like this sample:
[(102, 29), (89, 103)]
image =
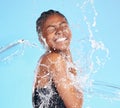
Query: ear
[(43, 41), (40, 38)]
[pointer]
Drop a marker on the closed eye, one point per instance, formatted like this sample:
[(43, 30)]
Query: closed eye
[(51, 29), (64, 25)]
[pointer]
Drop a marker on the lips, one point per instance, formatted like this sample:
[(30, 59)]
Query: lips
[(61, 39)]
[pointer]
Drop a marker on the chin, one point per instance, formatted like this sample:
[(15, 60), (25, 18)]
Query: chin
[(62, 48)]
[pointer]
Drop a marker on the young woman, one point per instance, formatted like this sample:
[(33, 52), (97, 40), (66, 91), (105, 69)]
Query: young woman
[(54, 85)]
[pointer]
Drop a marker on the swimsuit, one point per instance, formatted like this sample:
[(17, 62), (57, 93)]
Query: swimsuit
[(47, 97)]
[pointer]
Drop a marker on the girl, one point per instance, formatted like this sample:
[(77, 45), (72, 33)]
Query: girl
[(53, 87)]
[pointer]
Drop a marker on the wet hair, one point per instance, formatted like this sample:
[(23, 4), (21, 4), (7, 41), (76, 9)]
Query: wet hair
[(41, 20)]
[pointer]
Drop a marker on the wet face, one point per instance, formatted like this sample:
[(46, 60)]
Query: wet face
[(56, 32)]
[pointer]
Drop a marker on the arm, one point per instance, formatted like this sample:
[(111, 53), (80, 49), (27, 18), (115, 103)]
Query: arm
[(71, 97)]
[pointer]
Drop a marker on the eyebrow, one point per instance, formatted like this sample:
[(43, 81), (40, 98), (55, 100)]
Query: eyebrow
[(63, 23), (59, 24)]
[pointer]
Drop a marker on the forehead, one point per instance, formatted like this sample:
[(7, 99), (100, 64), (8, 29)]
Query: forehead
[(54, 20)]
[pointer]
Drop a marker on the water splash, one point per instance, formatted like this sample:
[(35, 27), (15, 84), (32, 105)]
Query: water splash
[(91, 56), (14, 49), (90, 87), (106, 90)]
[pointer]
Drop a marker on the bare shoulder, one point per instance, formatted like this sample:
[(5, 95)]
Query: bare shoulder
[(52, 62), (50, 58), (46, 65)]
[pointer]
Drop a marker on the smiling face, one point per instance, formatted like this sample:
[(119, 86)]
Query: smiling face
[(56, 32)]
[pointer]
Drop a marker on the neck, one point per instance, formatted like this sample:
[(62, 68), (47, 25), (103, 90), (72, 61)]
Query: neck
[(65, 53)]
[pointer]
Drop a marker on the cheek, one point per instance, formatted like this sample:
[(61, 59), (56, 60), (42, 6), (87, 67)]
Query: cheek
[(68, 31), (49, 39), (69, 34)]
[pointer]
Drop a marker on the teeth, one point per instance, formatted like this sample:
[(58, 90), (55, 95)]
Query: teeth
[(60, 39)]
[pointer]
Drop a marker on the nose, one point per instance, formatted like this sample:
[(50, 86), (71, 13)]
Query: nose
[(59, 31)]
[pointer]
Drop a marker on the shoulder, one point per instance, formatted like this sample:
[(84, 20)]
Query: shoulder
[(49, 58), (52, 62)]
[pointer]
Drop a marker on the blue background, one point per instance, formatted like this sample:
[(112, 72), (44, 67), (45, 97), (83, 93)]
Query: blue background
[(17, 21)]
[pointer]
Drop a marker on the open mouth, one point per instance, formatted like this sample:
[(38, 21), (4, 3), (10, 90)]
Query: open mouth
[(61, 39)]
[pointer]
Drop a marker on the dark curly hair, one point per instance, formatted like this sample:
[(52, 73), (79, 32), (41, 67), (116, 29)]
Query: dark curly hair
[(41, 20)]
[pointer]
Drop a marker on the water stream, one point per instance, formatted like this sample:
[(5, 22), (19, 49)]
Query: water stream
[(90, 55)]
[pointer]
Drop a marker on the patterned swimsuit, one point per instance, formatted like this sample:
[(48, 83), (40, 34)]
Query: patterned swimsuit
[(47, 97)]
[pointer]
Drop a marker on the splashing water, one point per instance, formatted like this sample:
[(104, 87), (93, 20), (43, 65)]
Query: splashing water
[(89, 57), (15, 49), (90, 87)]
